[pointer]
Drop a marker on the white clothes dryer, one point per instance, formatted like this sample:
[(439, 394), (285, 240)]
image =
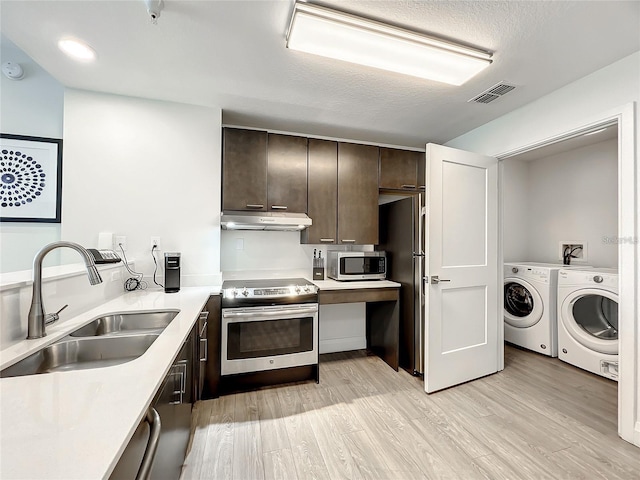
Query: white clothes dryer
[(530, 311), (588, 319)]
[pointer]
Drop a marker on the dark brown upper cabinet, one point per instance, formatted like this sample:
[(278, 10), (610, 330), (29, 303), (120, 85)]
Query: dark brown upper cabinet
[(263, 172), (402, 169), (286, 173), (323, 192), (244, 170), (357, 194)]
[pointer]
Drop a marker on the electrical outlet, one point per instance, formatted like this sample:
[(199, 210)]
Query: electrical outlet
[(121, 241), (115, 276), (155, 242), (579, 251)]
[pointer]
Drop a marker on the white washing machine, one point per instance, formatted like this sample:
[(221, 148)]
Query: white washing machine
[(588, 319), (530, 290)]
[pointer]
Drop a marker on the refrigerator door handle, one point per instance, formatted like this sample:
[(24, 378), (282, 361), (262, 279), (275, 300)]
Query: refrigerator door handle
[(419, 302)]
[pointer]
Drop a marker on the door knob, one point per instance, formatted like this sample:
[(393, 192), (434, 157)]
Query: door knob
[(435, 280)]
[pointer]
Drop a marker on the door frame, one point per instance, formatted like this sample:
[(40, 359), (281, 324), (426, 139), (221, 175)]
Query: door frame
[(628, 254)]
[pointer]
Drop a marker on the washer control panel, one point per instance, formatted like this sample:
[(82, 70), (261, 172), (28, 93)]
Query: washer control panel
[(525, 271)]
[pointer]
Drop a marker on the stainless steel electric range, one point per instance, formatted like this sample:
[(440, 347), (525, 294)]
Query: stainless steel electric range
[(268, 325)]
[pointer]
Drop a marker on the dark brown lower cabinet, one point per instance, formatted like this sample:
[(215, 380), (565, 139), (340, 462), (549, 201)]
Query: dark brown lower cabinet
[(173, 402), (211, 381)]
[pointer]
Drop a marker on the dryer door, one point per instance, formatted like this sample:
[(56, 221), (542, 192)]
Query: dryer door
[(523, 305), (590, 315)]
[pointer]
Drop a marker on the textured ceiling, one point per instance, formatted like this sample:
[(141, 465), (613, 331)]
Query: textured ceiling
[(232, 54)]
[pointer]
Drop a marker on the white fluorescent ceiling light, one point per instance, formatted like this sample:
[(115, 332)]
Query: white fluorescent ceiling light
[(338, 35)]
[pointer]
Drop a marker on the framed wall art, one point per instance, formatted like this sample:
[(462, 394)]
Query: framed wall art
[(30, 179)]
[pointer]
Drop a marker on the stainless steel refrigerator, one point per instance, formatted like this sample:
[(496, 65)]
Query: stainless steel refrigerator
[(402, 237)]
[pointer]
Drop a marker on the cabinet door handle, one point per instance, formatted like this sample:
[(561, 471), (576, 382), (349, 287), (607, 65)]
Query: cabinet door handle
[(180, 377), (348, 241), (255, 205), (327, 240), (203, 341), (203, 330), (153, 419), (409, 186), (278, 207)]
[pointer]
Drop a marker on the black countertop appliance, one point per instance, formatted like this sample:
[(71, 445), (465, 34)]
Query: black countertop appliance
[(172, 272)]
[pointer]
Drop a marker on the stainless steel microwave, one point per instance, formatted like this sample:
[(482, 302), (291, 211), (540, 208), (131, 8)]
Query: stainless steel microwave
[(357, 265)]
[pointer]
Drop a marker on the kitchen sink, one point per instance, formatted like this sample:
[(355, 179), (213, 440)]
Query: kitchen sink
[(126, 322), (82, 353)]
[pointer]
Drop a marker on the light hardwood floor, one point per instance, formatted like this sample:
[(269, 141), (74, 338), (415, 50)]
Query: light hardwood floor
[(539, 418)]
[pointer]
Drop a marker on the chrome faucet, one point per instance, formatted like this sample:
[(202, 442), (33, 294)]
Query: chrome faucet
[(37, 317)]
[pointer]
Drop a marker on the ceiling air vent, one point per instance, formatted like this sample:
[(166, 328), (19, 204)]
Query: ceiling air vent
[(493, 93)]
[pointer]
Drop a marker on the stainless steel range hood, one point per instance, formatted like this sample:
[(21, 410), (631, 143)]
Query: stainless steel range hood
[(279, 221)]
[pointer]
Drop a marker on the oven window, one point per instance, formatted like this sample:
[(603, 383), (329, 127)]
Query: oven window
[(361, 265), (267, 338)]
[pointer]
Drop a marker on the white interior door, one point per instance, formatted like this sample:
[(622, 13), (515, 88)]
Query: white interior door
[(462, 316)]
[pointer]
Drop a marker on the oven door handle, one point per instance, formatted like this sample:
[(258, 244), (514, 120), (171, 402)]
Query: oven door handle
[(280, 313)]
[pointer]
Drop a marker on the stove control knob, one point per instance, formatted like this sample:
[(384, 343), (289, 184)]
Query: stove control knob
[(307, 288), (245, 292), (235, 292), (598, 279), (297, 289)]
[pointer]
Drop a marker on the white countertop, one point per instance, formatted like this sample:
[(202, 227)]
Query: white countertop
[(335, 285), (76, 424)]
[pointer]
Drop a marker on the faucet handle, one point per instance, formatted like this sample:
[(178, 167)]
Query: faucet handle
[(54, 317)]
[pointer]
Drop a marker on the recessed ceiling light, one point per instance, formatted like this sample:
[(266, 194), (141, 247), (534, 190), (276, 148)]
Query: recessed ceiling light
[(77, 49), (330, 33)]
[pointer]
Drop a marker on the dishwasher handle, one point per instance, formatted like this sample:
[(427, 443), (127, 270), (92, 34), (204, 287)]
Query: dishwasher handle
[(153, 419)]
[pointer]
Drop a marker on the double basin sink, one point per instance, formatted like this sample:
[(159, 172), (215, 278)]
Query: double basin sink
[(107, 340)]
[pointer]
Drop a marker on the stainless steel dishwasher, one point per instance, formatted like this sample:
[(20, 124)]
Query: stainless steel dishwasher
[(173, 403)]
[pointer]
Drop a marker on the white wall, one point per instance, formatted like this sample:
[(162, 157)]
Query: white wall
[(574, 104), (572, 196), (269, 252), (32, 106), (139, 168), (577, 104), (515, 210), (273, 253)]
